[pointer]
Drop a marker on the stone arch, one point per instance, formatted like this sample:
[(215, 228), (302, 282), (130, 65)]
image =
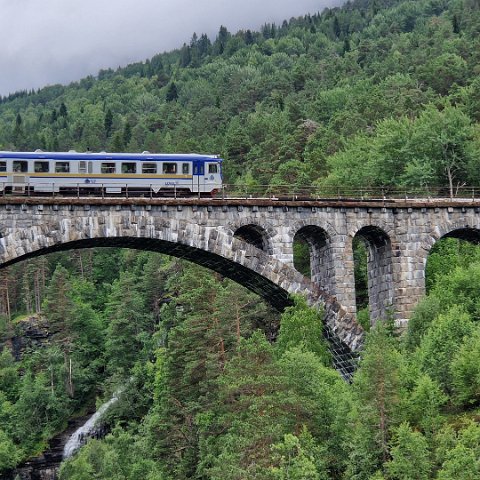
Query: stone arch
[(255, 235), (215, 249), (312, 222), (379, 270), (464, 229), (459, 231), (469, 234)]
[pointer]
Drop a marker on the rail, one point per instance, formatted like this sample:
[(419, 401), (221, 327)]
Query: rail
[(288, 192), (234, 191)]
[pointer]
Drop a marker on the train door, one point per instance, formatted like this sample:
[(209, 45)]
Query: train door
[(212, 179), (198, 176), (19, 177)]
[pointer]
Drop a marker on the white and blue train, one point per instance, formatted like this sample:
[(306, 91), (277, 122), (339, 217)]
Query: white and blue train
[(110, 173)]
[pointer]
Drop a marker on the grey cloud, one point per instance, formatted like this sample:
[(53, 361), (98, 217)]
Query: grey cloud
[(58, 41)]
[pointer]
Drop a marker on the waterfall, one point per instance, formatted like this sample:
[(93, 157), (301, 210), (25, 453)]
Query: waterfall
[(81, 435)]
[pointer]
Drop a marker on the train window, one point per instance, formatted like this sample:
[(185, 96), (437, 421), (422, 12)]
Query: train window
[(41, 167), (3, 166), (85, 167), (149, 168), (129, 167), (107, 168), (212, 168), (20, 166), (185, 168), (62, 167), (169, 168)]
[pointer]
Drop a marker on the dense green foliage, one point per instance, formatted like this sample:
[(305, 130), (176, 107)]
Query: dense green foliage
[(111, 315), (223, 403), (207, 396), (378, 93)]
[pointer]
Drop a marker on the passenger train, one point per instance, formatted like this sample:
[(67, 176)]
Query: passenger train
[(110, 173)]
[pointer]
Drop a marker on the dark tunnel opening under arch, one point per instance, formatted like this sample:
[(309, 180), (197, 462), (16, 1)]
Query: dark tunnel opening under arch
[(373, 271), (254, 235), (458, 247), (312, 255)]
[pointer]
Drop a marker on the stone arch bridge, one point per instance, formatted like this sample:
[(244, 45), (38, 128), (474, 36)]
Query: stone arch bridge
[(251, 241)]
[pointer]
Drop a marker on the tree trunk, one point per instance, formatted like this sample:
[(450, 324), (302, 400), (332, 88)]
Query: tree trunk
[(36, 289), (450, 181), (237, 322), (68, 364)]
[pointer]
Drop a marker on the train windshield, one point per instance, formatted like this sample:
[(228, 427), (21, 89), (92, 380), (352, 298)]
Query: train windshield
[(213, 168)]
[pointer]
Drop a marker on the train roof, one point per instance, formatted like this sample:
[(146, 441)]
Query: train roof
[(72, 155)]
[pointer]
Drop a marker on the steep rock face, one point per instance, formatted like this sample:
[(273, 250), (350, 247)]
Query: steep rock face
[(46, 465), (35, 471), (30, 334)]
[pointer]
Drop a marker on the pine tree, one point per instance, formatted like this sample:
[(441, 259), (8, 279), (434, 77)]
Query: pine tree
[(185, 56), (127, 133), (222, 39), (302, 327), (108, 123), (172, 94), (58, 306), (17, 136), (424, 405), (410, 455), (336, 27), (204, 45), (117, 142), (63, 110), (129, 326), (455, 24), (378, 388)]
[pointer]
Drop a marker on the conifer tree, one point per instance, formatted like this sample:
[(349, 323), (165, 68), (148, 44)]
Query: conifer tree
[(172, 94), (63, 110), (185, 56), (336, 27), (108, 122), (378, 389), (128, 324), (127, 134), (17, 136), (58, 305), (410, 455)]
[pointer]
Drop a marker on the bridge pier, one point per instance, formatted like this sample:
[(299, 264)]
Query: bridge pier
[(334, 271), (379, 272), (409, 262)]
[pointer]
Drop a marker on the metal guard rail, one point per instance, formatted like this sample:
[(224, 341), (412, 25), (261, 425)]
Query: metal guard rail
[(234, 191)]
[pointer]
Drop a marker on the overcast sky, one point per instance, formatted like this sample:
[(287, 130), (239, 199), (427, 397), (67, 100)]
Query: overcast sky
[(59, 41)]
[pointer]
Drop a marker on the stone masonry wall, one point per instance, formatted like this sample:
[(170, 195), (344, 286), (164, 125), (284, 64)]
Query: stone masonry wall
[(203, 231)]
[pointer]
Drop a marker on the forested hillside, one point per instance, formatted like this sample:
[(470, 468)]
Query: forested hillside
[(204, 392), (384, 92), (214, 384)]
